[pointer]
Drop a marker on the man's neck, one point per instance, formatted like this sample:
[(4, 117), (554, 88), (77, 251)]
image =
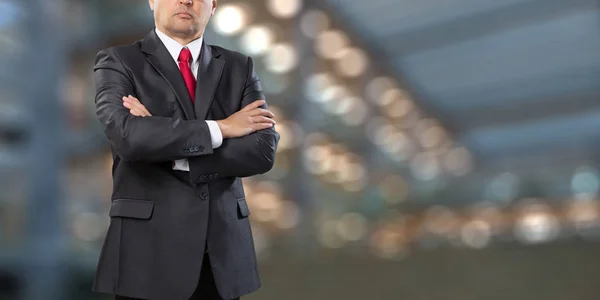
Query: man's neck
[(182, 40)]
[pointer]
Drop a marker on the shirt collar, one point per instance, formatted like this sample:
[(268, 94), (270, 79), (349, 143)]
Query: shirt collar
[(174, 47)]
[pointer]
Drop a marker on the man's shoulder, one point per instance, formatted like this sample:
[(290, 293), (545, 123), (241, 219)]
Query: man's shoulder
[(230, 55), (124, 51)]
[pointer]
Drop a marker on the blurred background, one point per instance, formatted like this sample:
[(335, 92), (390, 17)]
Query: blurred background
[(429, 149)]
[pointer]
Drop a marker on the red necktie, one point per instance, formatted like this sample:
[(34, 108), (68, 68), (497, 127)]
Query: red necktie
[(185, 59)]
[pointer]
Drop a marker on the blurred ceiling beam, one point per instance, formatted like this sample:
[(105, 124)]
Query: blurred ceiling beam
[(465, 28), (568, 133), (531, 110)]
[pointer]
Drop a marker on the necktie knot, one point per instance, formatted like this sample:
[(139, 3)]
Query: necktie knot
[(185, 55)]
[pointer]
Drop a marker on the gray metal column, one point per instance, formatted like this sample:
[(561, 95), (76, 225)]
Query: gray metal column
[(42, 71), (303, 183)]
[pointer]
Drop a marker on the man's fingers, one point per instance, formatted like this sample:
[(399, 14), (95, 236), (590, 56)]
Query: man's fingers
[(134, 99), (261, 112), (140, 106), (148, 114), (133, 107), (137, 112), (261, 126), (128, 105), (133, 103), (131, 99), (261, 119), (253, 105)]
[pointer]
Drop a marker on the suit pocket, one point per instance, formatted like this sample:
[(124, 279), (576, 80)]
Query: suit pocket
[(243, 209), (130, 208)]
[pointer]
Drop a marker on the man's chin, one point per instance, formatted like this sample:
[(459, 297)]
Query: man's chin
[(181, 30)]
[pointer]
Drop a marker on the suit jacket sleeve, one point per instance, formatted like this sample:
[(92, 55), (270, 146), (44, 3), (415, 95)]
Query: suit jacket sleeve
[(240, 157), (147, 139)]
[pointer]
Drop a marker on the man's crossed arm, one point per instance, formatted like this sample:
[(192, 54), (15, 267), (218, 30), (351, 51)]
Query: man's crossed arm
[(249, 119), (249, 138), (246, 143)]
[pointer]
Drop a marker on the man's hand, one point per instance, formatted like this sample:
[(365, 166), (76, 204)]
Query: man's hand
[(135, 107), (246, 121)]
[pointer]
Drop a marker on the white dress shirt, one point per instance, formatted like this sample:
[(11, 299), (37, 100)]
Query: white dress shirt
[(195, 46)]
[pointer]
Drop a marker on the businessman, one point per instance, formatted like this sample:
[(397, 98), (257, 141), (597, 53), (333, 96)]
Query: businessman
[(186, 121)]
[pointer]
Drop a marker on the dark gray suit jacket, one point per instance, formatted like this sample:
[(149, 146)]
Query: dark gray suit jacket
[(162, 219)]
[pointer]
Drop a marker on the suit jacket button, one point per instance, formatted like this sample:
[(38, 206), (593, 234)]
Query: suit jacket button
[(186, 151), (203, 196), (196, 149)]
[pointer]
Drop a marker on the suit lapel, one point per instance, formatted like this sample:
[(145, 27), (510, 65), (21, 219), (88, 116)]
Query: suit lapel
[(158, 56), (209, 75)]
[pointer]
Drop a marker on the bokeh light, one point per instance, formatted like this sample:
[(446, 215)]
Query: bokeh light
[(536, 224), (351, 62), (476, 234), (257, 39), (230, 19), (281, 58), (284, 9), (314, 22), (331, 43)]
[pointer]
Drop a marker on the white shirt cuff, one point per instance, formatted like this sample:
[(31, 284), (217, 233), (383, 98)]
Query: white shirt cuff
[(216, 138), (215, 134), (181, 165)]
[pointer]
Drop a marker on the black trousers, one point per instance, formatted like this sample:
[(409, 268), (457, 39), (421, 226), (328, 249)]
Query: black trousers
[(206, 289)]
